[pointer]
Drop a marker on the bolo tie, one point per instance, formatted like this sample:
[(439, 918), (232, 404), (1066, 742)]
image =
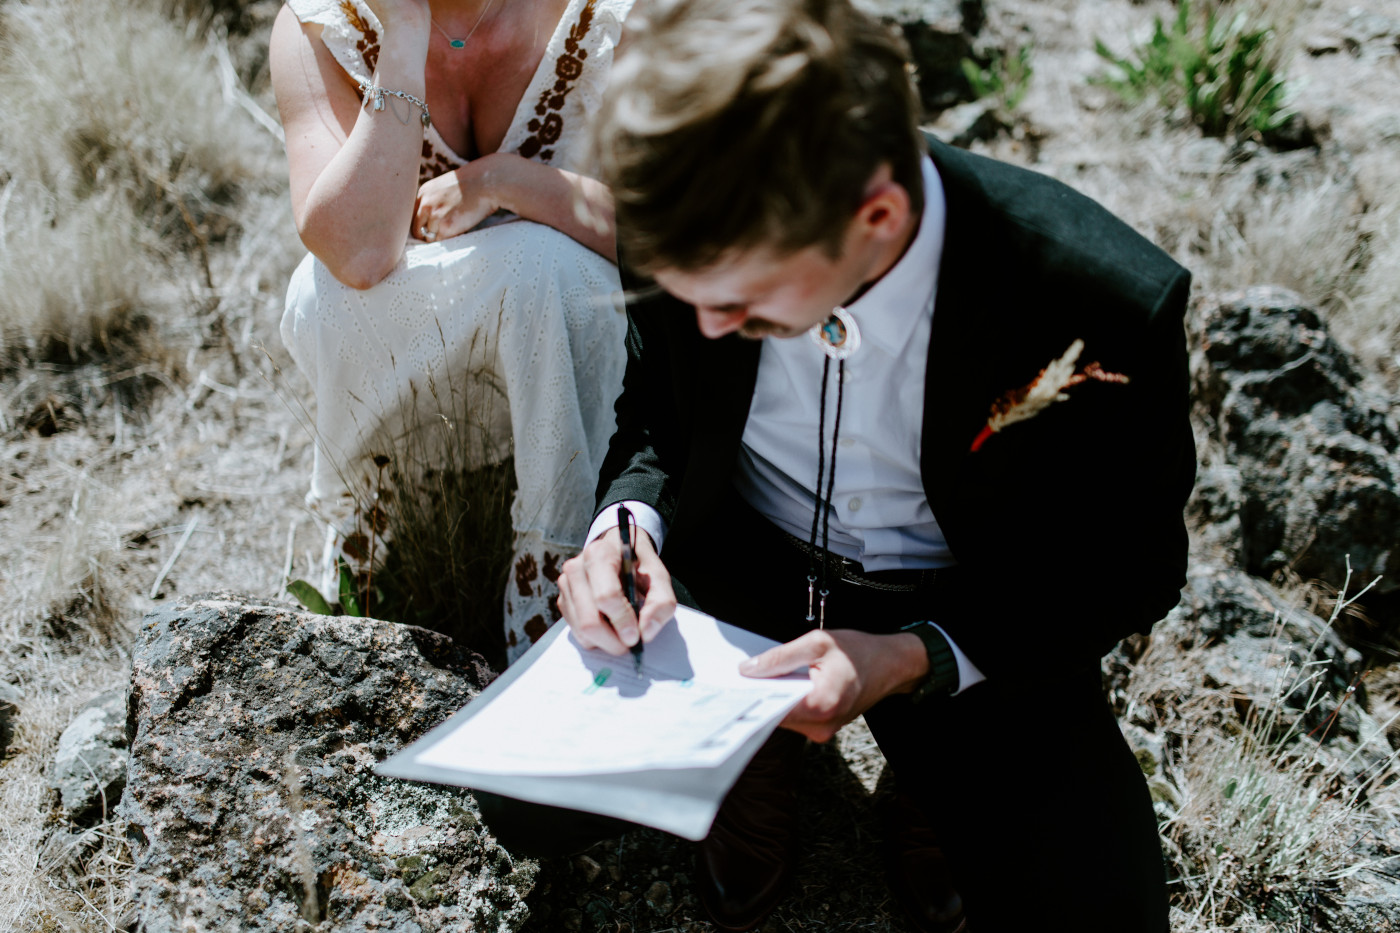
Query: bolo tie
[(839, 337)]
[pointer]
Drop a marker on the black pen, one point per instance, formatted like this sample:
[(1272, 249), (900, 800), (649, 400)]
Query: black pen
[(629, 578)]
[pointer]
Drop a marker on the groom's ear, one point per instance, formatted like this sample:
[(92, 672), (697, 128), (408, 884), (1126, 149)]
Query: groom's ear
[(885, 210)]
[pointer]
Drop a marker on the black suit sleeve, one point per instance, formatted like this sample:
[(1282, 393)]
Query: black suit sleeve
[(1075, 535), (643, 455)]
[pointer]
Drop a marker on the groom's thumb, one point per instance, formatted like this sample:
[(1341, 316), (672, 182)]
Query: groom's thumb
[(784, 659)]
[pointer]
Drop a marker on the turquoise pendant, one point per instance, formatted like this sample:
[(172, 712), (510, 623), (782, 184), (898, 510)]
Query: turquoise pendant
[(457, 43), (838, 335)]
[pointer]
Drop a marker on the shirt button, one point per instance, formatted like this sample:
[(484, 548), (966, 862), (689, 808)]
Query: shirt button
[(847, 442), (854, 504)]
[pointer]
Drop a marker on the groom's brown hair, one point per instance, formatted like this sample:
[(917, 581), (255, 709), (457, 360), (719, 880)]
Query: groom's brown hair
[(735, 124)]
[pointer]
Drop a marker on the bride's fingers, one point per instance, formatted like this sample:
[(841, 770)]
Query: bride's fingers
[(420, 221)]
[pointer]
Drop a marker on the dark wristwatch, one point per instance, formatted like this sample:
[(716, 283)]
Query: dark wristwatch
[(942, 678)]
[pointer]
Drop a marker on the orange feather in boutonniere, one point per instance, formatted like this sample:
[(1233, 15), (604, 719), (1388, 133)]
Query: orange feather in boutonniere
[(1043, 391)]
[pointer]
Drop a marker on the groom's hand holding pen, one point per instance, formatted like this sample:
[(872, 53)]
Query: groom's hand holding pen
[(593, 596)]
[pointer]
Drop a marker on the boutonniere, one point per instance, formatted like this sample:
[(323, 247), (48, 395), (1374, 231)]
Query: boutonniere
[(1043, 391)]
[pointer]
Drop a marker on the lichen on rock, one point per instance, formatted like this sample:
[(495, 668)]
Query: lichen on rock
[(251, 799)]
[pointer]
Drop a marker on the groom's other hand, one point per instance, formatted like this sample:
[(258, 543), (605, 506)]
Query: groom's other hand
[(591, 598), (851, 671)]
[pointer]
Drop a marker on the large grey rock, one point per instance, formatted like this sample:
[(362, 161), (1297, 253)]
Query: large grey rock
[(251, 800), (1371, 903), (1242, 634), (1240, 638), (1311, 467), (1278, 664), (89, 767), (940, 35)]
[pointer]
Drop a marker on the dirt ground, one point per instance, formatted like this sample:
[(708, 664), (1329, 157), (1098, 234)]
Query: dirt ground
[(110, 507)]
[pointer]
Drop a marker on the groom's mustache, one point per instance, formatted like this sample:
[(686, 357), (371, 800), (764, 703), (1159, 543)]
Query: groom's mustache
[(757, 328)]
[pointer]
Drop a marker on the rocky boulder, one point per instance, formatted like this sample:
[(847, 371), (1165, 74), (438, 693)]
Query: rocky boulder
[(1310, 472), (89, 768), (251, 800)]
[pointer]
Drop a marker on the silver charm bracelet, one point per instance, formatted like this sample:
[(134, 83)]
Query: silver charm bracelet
[(376, 93)]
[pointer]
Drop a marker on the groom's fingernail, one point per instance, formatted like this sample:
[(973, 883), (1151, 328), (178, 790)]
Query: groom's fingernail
[(748, 666)]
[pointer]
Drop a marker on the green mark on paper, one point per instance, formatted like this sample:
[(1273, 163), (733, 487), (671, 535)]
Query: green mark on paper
[(599, 679)]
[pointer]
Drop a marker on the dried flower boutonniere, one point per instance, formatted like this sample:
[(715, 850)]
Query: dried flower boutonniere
[(1044, 390)]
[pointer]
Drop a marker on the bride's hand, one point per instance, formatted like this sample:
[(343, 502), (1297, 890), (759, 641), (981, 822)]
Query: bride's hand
[(457, 201)]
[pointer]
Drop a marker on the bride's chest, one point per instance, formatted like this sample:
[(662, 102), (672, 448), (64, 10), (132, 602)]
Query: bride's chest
[(474, 92)]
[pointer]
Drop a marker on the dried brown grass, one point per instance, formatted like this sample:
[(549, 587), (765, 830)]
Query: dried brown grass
[(1264, 813), (144, 240), (123, 165), (54, 881), (443, 498)]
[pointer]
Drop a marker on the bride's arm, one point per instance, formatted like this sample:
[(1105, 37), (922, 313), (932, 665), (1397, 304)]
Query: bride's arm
[(576, 205), (354, 171)]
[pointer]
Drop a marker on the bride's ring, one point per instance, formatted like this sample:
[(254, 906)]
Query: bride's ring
[(429, 236)]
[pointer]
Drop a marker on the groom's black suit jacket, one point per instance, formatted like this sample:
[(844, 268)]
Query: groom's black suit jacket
[(1067, 528)]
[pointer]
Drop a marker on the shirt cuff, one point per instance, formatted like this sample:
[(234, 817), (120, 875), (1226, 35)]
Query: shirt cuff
[(648, 520), (968, 674)]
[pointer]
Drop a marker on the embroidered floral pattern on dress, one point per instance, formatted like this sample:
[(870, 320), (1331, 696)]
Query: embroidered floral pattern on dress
[(534, 604), (435, 163), (368, 44), (548, 124)]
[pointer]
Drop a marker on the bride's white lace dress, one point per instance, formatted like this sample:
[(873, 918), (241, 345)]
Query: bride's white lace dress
[(515, 305)]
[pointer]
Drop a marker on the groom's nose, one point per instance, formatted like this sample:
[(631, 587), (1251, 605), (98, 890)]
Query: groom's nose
[(715, 324)]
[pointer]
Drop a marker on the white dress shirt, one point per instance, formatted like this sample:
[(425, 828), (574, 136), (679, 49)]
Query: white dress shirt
[(880, 514)]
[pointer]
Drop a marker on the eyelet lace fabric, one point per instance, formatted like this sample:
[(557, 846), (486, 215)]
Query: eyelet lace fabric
[(516, 317)]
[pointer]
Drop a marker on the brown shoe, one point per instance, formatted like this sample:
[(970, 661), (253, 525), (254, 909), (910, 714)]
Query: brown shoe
[(744, 864), (916, 868)]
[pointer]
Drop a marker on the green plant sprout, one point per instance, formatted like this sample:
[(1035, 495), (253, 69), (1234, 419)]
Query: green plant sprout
[(349, 604), (1225, 74), (1004, 80)]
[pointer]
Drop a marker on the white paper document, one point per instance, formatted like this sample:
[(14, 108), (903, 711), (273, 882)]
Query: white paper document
[(584, 729)]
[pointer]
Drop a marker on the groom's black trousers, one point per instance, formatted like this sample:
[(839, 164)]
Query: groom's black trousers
[(1036, 798)]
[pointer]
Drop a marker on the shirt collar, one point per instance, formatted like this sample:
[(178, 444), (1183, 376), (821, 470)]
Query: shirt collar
[(889, 311)]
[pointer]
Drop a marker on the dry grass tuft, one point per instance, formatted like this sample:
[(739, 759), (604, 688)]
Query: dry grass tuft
[(120, 169), (442, 500), (58, 309), (448, 565), (76, 584), (56, 878), (1264, 813)]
